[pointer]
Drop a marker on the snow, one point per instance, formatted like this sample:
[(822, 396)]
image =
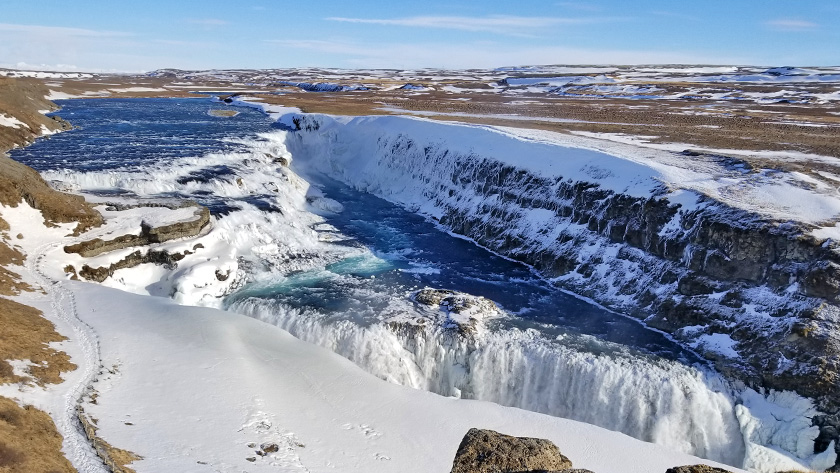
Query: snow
[(12, 122), (508, 117), (719, 343), (558, 81), (271, 384), (57, 305), (278, 113), (325, 413), (558, 157), (44, 131), (213, 382), (45, 75), (631, 165), (780, 418), (21, 367), (138, 89), (58, 95)]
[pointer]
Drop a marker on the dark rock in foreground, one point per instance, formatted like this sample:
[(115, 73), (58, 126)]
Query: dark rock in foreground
[(486, 451), (696, 469)]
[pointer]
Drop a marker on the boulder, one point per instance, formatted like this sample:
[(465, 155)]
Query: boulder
[(487, 451), (460, 311), (696, 469)]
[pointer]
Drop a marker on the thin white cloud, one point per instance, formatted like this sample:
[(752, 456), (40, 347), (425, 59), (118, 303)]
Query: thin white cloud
[(60, 31), (66, 48), (670, 14), (192, 44), (483, 55), (207, 21), (502, 24), (791, 24), (25, 66), (579, 6)]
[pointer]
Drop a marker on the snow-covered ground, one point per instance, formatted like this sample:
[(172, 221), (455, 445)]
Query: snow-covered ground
[(344, 148), (214, 382), (11, 122), (198, 389), (724, 84)]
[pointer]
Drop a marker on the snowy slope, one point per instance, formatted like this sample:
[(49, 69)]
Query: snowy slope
[(213, 382), (200, 390)]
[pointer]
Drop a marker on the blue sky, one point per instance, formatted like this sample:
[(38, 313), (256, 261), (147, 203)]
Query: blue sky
[(151, 34)]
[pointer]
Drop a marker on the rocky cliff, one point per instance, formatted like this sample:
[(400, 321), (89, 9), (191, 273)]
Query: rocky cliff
[(756, 295)]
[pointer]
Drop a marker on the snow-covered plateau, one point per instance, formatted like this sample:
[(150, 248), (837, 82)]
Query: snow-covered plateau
[(748, 284)]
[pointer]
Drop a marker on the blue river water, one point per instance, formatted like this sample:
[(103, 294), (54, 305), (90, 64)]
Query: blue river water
[(552, 352), (130, 134)]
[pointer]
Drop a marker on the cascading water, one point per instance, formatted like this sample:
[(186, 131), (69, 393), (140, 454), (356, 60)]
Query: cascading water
[(346, 290), (653, 400)]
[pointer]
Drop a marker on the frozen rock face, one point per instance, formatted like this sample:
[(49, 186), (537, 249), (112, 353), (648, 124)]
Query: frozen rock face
[(487, 451), (757, 296)]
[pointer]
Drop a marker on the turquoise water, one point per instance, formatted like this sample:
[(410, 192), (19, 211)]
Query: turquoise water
[(408, 251)]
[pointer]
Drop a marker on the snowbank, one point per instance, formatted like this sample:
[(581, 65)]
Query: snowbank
[(214, 383)]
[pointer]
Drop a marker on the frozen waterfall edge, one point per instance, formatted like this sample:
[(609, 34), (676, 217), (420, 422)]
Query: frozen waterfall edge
[(741, 289)]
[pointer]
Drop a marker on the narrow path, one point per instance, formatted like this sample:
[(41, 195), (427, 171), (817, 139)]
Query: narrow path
[(77, 447)]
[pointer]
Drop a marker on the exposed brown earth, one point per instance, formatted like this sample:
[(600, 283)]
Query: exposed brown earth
[(28, 441), (24, 100), (99, 274), (741, 128), (488, 451), (116, 459), (22, 183), (699, 121), (26, 335), (10, 282), (696, 469)]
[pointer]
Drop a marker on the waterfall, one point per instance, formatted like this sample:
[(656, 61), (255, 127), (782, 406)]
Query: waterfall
[(651, 399)]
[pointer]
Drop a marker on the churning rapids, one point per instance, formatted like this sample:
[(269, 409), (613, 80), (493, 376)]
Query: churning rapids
[(337, 267)]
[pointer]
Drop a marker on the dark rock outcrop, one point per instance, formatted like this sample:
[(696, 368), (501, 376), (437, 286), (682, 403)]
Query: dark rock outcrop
[(163, 258), (487, 451), (462, 312), (696, 469), (148, 235)]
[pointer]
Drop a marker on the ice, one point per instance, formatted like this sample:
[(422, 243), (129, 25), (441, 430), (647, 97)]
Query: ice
[(781, 420), (687, 409), (668, 404)]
